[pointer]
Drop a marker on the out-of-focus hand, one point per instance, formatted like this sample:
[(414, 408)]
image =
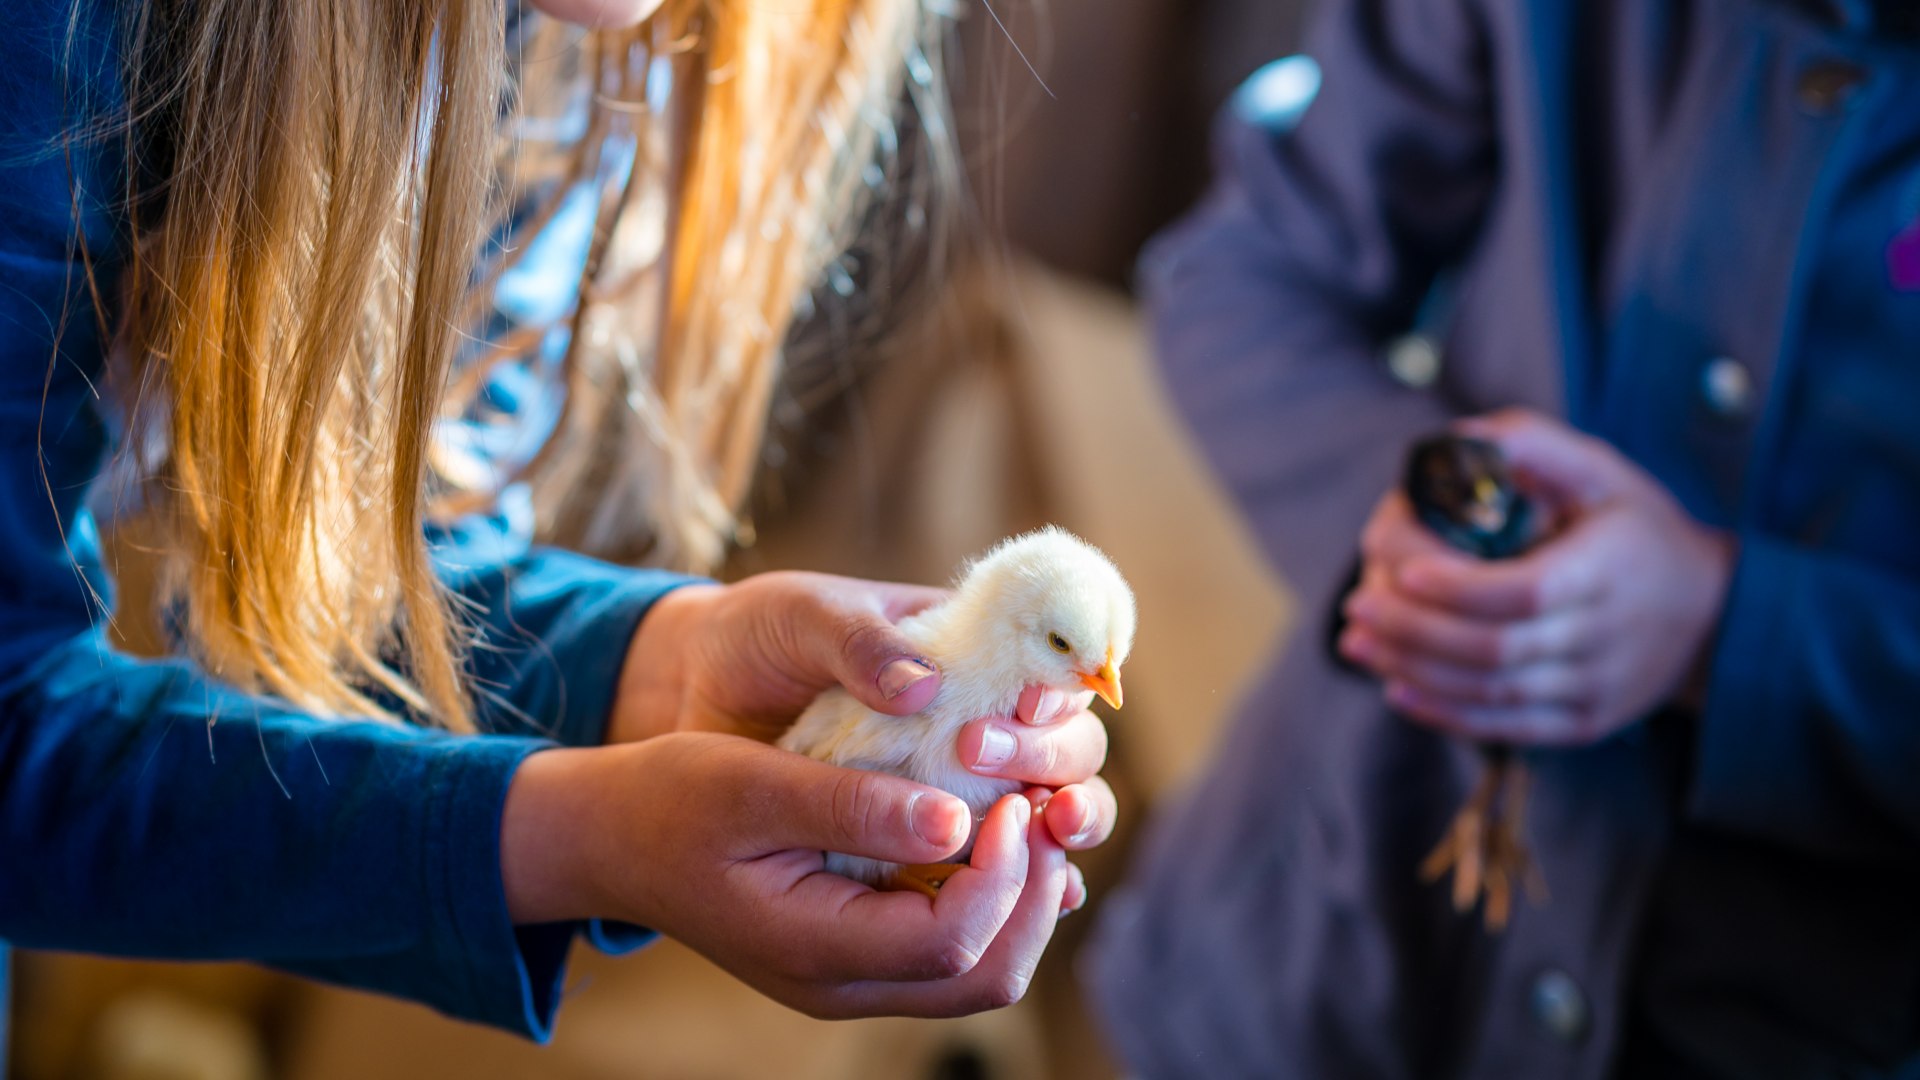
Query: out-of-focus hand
[(716, 841), (1599, 624)]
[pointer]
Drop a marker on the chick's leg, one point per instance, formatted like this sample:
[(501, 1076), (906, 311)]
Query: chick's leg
[(1463, 849), (925, 879)]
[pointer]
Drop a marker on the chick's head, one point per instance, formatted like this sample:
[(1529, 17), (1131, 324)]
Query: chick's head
[(1066, 613)]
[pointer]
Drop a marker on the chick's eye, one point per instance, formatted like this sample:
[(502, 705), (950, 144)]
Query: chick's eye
[(1059, 643)]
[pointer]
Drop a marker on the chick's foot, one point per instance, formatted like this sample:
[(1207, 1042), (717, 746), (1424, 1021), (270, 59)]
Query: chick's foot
[(925, 879)]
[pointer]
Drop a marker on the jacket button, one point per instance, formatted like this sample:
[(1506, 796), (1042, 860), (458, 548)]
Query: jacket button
[(1827, 86), (1727, 387), (1559, 1006), (1415, 360)]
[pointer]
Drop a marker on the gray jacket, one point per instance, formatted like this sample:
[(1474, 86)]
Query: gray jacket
[(1692, 227)]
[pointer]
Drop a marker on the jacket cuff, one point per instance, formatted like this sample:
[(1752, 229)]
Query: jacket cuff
[(504, 976), (1753, 743), (595, 636), (617, 938)]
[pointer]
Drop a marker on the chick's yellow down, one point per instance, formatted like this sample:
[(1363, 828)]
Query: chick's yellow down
[(1042, 609)]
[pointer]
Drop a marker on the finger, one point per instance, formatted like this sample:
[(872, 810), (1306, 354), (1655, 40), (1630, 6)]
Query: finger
[(1564, 573), (975, 903), (1575, 468), (860, 934), (1394, 534), (1075, 897), (901, 601), (796, 802), (1005, 970), (1082, 816), (1062, 753), (855, 643), (1548, 682), (1523, 725), (1040, 706), (1416, 628)]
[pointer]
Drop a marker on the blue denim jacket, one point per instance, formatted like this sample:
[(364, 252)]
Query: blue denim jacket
[(145, 809), (1688, 226)]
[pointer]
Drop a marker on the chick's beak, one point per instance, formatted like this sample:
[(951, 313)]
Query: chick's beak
[(1105, 682)]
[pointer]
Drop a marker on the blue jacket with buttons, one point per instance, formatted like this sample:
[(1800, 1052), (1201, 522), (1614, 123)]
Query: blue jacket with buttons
[(1692, 227), (145, 809)]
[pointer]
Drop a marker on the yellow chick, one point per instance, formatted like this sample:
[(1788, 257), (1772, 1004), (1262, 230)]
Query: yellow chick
[(1043, 609)]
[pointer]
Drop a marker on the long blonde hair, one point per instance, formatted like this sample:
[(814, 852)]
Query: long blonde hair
[(302, 309)]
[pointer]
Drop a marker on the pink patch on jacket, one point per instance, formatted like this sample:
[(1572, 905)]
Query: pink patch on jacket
[(1903, 259)]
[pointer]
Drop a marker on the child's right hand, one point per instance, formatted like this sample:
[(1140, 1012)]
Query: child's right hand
[(715, 841)]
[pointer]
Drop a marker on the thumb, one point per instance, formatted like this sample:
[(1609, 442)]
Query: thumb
[(862, 650), (812, 805), (1568, 466)]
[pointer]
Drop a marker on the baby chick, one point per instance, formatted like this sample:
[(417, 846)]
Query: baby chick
[(1044, 609)]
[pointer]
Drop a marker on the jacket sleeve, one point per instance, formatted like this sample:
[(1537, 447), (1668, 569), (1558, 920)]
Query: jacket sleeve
[(146, 810), (1808, 735), (550, 628), (1321, 238)]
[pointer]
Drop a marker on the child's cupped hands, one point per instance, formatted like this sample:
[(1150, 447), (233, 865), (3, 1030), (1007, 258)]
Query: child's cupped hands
[(716, 841)]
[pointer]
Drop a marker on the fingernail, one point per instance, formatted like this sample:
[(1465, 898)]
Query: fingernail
[(899, 676), (1083, 830), (1024, 811), (934, 821), (1052, 704), (996, 748)]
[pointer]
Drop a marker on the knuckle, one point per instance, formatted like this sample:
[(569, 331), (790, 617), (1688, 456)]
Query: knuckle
[(1006, 990), (860, 633), (1047, 758), (858, 806), (951, 959)]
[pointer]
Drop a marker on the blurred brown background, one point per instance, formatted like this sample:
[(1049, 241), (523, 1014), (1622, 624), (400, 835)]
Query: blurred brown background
[(1026, 396)]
